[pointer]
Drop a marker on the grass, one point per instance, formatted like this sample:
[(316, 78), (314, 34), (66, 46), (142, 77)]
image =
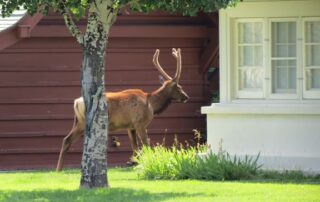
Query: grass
[(43, 186)]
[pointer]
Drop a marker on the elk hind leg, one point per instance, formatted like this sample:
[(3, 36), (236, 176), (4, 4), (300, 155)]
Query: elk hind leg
[(69, 140)]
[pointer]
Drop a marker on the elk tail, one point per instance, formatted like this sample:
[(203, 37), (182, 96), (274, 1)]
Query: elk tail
[(79, 110)]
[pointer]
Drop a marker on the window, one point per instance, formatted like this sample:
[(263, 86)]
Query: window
[(250, 59), (312, 58), (283, 57), (277, 58)]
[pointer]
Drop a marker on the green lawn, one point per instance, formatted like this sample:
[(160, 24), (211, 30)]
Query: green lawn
[(126, 187)]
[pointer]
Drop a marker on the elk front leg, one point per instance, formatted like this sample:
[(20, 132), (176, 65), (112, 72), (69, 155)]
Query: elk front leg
[(70, 139), (142, 132)]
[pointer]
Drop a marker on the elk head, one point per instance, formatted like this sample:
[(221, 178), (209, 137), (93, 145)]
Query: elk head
[(171, 85)]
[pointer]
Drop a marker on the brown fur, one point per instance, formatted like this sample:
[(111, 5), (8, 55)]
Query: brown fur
[(131, 109)]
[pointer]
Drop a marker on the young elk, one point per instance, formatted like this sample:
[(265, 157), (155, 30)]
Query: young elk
[(131, 109)]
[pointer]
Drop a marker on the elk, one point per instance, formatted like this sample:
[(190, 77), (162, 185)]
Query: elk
[(131, 109)]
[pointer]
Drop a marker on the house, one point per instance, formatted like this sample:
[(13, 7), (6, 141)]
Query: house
[(269, 83), (40, 77)]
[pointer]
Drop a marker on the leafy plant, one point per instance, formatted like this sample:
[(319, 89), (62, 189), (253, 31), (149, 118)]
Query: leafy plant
[(197, 162), (179, 162)]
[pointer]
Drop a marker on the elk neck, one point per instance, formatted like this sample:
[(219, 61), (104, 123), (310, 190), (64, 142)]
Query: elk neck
[(160, 99)]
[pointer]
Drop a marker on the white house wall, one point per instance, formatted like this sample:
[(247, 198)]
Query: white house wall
[(286, 133), (284, 137)]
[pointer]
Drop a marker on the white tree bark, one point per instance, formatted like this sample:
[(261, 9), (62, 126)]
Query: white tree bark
[(94, 41)]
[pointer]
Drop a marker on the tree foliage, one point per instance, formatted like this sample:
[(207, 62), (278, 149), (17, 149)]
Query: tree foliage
[(185, 7), (78, 7)]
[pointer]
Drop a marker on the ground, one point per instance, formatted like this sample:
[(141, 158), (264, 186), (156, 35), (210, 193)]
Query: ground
[(43, 186)]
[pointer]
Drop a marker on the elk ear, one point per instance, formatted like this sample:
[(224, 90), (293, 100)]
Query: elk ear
[(161, 79)]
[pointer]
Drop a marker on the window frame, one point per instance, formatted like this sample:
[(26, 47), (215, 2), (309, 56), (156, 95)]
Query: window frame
[(308, 94), (246, 93), (266, 93), (269, 77)]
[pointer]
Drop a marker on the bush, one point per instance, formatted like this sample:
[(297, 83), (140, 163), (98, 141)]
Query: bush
[(193, 162), (179, 162)]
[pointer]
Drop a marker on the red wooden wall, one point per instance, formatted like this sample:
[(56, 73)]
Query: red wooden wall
[(40, 77)]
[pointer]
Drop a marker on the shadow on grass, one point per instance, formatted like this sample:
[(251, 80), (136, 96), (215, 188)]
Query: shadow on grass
[(96, 195), (123, 169), (286, 177)]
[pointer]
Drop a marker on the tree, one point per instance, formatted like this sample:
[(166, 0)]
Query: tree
[(101, 14)]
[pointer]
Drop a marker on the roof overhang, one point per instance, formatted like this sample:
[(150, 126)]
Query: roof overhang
[(18, 30)]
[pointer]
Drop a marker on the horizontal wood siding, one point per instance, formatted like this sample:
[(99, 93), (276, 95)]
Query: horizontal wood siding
[(40, 78)]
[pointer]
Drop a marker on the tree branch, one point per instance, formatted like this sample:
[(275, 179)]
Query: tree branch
[(106, 13), (73, 28)]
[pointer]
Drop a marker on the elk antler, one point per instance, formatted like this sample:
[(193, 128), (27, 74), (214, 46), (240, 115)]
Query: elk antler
[(177, 55), (158, 66)]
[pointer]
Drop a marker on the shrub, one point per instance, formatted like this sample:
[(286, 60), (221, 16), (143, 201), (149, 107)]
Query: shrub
[(194, 162), (180, 162)]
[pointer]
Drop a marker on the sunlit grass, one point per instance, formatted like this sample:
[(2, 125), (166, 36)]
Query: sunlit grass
[(126, 187)]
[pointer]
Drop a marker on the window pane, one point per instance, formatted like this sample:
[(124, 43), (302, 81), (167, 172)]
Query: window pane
[(246, 35), (258, 32), (292, 50), (292, 32), (283, 39), (291, 63), (313, 55), (279, 32), (280, 63), (251, 56), (258, 56), (312, 31), (283, 76), (292, 78), (313, 79), (280, 78), (251, 78), (280, 50), (246, 56), (250, 32)]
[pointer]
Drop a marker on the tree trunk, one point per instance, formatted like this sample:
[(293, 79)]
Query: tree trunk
[(94, 165)]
